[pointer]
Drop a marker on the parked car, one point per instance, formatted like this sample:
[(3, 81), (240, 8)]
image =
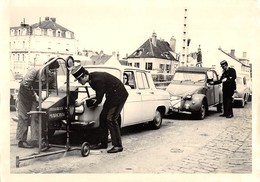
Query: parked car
[(191, 93), (243, 91), (145, 103)]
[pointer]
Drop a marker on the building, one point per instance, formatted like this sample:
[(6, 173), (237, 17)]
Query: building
[(156, 55), (33, 45), (240, 64)]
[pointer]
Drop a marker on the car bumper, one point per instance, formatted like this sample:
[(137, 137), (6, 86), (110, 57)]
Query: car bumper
[(183, 106)]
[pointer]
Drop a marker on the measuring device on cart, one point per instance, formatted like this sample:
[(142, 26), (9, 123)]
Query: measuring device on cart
[(57, 109)]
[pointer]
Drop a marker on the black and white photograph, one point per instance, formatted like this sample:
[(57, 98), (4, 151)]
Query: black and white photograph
[(134, 90)]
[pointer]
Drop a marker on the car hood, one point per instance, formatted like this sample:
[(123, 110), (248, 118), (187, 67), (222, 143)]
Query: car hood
[(181, 89)]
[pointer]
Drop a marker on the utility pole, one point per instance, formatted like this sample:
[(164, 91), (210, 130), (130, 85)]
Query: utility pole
[(185, 42)]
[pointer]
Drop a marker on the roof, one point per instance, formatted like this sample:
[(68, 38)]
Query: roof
[(49, 24), (100, 59), (233, 57), (162, 50), (119, 67), (193, 69)]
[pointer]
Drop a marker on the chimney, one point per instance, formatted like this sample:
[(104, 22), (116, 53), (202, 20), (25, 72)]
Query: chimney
[(244, 55), (232, 52), (117, 55), (113, 53), (47, 18), (40, 21), (173, 43), (154, 40), (53, 20)]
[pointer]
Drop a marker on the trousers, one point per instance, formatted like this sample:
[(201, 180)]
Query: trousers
[(228, 103), (109, 120)]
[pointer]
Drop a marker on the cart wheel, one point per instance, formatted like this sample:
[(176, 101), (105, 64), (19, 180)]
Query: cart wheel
[(85, 149)]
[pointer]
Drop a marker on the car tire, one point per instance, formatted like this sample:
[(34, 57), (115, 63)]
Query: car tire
[(157, 121), (203, 110)]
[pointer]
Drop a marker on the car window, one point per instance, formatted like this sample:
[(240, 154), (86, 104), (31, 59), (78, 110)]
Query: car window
[(212, 75), (189, 77), (142, 80), (131, 79)]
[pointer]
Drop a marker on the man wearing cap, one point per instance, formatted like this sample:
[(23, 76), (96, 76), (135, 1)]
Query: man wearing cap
[(116, 94), (28, 97), (227, 79)]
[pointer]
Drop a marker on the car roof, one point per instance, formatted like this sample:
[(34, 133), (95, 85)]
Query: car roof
[(123, 68), (193, 69)]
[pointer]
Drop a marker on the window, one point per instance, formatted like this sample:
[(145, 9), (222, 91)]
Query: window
[(58, 34), (130, 64), (131, 79), (162, 67), (148, 66), (142, 80), (138, 52), (168, 67), (137, 65)]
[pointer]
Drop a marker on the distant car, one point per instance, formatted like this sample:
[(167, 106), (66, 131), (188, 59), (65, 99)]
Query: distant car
[(191, 93), (243, 91), (145, 103)]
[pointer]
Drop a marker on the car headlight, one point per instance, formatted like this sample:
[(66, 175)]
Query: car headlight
[(187, 97)]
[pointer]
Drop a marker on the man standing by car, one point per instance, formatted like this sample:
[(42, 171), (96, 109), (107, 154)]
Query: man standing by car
[(227, 79), (28, 97), (105, 84)]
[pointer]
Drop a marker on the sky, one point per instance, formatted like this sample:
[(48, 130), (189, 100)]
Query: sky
[(124, 25)]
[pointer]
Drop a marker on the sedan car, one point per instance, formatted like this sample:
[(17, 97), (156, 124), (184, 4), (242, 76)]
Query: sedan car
[(145, 103), (191, 93), (242, 93)]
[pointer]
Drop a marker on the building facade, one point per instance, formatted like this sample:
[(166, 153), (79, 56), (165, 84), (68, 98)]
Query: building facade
[(155, 55), (33, 45)]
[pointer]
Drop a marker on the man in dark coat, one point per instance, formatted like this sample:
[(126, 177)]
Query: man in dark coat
[(227, 79), (105, 84), (28, 96)]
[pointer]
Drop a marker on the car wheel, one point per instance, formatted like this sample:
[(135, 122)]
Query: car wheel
[(157, 121), (203, 109)]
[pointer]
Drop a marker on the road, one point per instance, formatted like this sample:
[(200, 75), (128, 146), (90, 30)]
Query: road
[(182, 145)]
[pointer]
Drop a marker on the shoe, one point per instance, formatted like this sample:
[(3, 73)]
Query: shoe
[(222, 115), (230, 116), (98, 146), (23, 144), (115, 150)]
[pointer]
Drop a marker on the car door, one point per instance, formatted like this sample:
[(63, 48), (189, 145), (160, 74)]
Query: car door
[(147, 95), (132, 111), (210, 89), (217, 89)]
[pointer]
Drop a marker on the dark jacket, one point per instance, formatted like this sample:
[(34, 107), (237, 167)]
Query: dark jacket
[(228, 86), (106, 84)]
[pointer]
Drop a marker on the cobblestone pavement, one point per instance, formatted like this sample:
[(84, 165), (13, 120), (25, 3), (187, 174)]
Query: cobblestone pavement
[(229, 152)]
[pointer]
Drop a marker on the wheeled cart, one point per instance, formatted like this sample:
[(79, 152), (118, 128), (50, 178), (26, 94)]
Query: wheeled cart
[(57, 109)]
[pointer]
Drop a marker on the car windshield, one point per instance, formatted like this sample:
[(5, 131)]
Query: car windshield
[(189, 77)]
